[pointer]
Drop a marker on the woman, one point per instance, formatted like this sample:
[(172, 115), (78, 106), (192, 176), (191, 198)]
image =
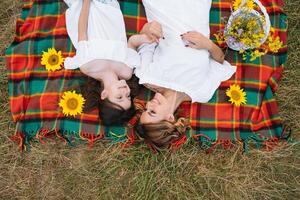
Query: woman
[(186, 65), (97, 31)]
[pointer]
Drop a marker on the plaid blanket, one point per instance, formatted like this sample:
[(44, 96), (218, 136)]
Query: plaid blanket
[(34, 92)]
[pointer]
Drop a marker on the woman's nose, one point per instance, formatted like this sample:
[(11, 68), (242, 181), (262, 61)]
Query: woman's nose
[(148, 105)]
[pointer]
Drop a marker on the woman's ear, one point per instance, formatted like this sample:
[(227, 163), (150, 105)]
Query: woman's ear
[(104, 94), (170, 118)]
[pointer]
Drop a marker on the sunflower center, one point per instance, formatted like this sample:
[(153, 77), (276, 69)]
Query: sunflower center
[(235, 95), (53, 60), (72, 104)]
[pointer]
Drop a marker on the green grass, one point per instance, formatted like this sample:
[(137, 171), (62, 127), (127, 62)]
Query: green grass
[(56, 171)]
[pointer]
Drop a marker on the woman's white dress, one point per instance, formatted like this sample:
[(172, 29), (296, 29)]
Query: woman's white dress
[(175, 66), (106, 34)]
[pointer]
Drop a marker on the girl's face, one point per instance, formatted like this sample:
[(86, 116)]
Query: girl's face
[(118, 93), (157, 110)]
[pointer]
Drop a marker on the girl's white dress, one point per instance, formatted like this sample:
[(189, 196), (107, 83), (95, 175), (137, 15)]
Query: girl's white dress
[(106, 34), (175, 66)]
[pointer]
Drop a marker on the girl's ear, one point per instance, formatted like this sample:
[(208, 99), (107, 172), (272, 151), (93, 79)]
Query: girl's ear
[(104, 94), (170, 118)]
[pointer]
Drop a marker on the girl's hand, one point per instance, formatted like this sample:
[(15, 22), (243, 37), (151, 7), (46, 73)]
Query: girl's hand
[(197, 40), (137, 40), (153, 30)]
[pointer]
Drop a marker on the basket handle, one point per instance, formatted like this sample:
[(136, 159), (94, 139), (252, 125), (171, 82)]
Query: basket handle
[(264, 11)]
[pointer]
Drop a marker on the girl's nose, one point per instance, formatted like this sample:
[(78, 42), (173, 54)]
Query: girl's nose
[(122, 81), (124, 90)]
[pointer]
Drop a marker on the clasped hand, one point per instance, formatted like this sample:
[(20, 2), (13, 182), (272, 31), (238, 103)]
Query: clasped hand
[(153, 30)]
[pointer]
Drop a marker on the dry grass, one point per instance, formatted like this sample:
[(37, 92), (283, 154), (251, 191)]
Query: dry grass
[(55, 171)]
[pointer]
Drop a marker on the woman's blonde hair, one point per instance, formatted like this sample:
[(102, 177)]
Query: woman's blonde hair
[(162, 134)]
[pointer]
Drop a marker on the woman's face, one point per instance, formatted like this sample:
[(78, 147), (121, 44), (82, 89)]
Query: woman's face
[(118, 93), (157, 110)]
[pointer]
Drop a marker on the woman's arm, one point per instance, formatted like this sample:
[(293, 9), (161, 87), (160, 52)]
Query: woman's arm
[(83, 21), (198, 41), (216, 53)]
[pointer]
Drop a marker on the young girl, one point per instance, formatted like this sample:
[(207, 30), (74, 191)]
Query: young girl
[(97, 31), (186, 65)]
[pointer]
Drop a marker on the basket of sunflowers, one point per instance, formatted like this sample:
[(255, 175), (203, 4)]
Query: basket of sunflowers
[(248, 31), (247, 28)]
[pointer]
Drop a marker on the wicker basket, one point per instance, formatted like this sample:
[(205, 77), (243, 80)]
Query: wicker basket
[(264, 22)]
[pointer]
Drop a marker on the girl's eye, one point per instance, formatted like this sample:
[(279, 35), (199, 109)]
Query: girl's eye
[(152, 112)]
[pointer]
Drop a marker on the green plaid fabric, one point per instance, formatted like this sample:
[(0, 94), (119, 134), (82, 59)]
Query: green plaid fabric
[(34, 92)]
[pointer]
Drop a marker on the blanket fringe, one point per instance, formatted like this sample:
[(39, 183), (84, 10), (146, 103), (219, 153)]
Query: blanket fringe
[(90, 138), (260, 142), (206, 143), (41, 135), (131, 140), (19, 138)]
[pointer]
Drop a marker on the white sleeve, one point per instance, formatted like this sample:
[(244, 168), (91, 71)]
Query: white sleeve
[(223, 71), (146, 52), (132, 59)]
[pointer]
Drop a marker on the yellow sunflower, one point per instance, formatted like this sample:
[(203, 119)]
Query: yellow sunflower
[(52, 59), (237, 3), (275, 44), (72, 103), (250, 4), (236, 95), (220, 38)]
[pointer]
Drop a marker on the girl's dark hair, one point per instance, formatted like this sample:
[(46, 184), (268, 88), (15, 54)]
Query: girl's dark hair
[(110, 113)]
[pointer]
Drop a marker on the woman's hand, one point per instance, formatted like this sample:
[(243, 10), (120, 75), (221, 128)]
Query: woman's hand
[(153, 30), (197, 40)]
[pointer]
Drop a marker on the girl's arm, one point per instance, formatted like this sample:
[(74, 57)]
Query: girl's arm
[(135, 41), (198, 41), (83, 21), (144, 46)]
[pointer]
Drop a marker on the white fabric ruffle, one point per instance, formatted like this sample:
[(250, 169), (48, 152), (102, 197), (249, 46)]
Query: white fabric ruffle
[(106, 34)]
